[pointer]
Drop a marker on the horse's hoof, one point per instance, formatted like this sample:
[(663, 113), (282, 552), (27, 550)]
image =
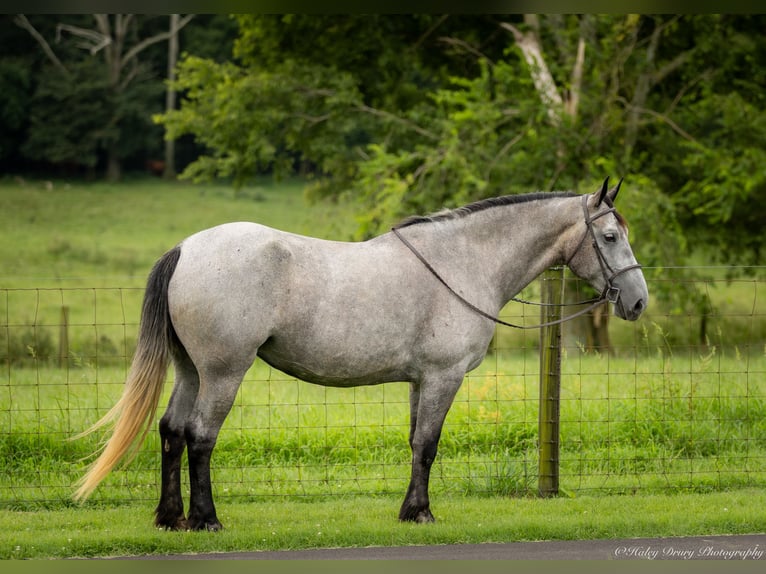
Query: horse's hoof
[(205, 525), (212, 526), (423, 516), (175, 524)]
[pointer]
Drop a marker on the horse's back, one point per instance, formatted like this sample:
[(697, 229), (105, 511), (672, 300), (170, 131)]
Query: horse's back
[(250, 258)]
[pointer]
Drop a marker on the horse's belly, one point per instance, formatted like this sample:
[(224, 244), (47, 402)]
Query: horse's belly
[(340, 369)]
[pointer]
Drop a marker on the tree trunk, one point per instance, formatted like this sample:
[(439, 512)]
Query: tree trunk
[(109, 36), (599, 329), (114, 164), (170, 96)]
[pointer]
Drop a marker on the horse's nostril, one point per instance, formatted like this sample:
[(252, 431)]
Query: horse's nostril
[(639, 306)]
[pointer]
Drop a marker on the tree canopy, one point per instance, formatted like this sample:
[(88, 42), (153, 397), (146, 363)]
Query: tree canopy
[(77, 92), (414, 113), (407, 113)]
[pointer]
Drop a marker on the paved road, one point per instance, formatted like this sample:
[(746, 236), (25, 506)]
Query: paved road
[(740, 547)]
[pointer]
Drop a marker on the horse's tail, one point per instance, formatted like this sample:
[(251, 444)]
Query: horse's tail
[(134, 412)]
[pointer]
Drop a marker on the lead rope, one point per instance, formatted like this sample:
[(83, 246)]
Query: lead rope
[(596, 302)]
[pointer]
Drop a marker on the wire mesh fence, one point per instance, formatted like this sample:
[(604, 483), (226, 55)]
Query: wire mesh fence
[(675, 401)]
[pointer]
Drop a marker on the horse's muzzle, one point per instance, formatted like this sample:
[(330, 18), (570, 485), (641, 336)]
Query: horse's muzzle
[(630, 313)]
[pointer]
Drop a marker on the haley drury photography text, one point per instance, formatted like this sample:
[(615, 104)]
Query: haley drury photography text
[(700, 552)]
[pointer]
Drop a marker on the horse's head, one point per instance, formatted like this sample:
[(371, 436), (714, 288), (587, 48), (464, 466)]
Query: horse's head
[(601, 254)]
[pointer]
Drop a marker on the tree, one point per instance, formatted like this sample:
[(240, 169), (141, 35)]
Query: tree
[(170, 94), (119, 80), (711, 169), (356, 74), (15, 82), (75, 137), (234, 113), (413, 113)]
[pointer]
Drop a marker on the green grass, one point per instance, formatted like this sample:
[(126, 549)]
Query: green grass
[(371, 521), (681, 425), (107, 235), (650, 425)]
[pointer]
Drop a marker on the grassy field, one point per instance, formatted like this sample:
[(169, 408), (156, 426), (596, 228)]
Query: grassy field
[(626, 427), (102, 235), (280, 523), (662, 418)]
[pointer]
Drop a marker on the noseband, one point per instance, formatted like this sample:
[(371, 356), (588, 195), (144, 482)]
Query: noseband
[(610, 293)]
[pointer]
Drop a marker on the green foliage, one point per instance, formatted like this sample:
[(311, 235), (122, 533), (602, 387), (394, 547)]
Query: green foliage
[(411, 131), (14, 93), (252, 122), (726, 182), (77, 136), (396, 59), (311, 92), (97, 117), (26, 346), (63, 121), (209, 36), (700, 136), (486, 137)]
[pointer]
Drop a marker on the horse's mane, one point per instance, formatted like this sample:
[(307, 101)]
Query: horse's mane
[(481, 205)]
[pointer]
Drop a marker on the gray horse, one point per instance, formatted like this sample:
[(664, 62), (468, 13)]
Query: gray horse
[(399, 307)]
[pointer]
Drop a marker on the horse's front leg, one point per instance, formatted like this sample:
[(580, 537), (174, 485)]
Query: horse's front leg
[(429, 403)]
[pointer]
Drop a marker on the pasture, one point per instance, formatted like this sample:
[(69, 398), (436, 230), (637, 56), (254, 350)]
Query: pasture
[(680, 426)]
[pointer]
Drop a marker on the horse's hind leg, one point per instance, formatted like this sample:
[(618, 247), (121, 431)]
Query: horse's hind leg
[(218, 389), (170, 510), (429, 403)]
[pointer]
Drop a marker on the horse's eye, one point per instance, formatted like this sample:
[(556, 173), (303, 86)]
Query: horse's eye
[(610, 237)]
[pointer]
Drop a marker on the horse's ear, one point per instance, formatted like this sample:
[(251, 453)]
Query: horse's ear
[(602, 192), (612, 193)]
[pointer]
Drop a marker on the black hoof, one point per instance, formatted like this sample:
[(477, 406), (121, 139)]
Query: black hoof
[(210, 525), (167, 523), (422, 516)]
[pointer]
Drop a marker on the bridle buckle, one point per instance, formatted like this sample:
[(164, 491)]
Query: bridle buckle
[(612, 294)]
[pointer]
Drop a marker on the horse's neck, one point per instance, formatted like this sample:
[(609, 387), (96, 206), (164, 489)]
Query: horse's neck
[(507, 247)]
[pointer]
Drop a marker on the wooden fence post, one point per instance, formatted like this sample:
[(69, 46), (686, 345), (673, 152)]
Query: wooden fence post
[(552, 284)]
